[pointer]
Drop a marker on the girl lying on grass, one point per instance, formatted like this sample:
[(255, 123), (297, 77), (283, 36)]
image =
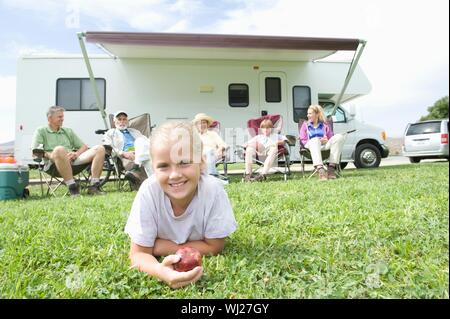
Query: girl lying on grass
[(178, 206)]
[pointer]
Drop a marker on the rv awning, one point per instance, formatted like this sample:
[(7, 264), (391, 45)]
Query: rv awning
[(217, 46)]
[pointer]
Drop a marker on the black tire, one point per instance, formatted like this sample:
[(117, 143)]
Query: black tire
[(343, 165), (367, 156), (414, 160)]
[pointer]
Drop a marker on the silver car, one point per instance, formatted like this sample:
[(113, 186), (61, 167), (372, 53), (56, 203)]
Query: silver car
[(428, 139)]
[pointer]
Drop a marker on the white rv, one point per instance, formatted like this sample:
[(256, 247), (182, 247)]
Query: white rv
[(174, 76)]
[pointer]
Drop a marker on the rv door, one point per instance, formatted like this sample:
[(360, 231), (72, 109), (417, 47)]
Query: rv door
[(272, 94)]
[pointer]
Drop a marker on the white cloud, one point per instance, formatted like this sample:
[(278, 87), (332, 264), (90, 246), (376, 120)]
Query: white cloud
[(293, 17), (48, 6), (180, 26), (7, 108), (14, 49), (104, 14)]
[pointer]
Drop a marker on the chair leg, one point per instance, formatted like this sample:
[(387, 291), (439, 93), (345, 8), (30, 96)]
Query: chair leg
[(52, 190), (338, 170), (40, 179), (225, 169), (302, 165), (315, 171), (287, 170)]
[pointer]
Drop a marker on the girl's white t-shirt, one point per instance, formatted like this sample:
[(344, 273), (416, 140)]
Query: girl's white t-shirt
[(208, 216)]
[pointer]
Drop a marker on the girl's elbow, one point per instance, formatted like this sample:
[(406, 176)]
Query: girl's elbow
[(217, 249), (131, 257)]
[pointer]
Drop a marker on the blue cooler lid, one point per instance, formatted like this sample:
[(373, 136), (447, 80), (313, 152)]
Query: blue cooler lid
[(13, 167)]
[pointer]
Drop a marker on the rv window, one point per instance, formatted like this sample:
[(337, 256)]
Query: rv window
[(273, 90), (77, 94), (238, 95), (302, 100)]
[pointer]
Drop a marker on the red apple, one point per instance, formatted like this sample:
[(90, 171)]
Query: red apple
[(189, 259)]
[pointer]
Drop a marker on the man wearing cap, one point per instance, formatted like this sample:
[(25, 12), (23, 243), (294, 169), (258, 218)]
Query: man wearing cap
[(213, 145), (132, 147), (65, 154)]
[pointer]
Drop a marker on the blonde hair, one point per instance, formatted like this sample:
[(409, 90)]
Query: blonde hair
[(172, 132), (266, 124), (316, 108)]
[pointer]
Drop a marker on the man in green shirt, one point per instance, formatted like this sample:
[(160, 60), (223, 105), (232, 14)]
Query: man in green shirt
[(65, 153)]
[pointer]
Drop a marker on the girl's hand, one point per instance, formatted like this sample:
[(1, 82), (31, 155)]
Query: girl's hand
[(176, 279), (324, 140)]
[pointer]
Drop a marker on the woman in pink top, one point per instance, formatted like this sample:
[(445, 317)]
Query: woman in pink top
[(316, 135)]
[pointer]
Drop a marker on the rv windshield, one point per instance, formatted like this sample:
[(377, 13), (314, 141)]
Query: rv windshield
[(328, 108)]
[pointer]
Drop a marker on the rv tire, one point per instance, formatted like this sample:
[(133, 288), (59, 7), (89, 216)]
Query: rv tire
[(367, 156)]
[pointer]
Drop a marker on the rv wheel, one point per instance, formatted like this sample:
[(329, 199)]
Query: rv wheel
[(367, 156)]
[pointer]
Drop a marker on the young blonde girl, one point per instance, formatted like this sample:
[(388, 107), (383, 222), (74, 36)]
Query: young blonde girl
[(178, 206)]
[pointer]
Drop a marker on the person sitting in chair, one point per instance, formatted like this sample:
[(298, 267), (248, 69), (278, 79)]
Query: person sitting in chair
[(265, 145), (63, 150), (132, 147), (213, 145), (316, 135)]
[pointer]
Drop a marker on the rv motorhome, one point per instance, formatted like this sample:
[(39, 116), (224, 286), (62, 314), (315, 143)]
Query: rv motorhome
[(174, 76)]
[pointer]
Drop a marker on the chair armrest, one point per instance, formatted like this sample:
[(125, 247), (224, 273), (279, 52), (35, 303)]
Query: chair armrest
[(108, 149), (101, 132), (38, 154), (291, 140)]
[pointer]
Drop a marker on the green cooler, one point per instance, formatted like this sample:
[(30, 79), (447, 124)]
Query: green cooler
[(13, 180)]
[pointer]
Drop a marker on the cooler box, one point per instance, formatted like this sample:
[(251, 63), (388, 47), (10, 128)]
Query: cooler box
[(13, 180)]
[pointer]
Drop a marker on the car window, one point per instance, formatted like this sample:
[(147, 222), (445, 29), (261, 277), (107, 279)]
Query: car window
[(424, 128)]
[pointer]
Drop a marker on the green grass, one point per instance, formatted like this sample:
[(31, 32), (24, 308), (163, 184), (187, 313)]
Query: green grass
[(379, 233)]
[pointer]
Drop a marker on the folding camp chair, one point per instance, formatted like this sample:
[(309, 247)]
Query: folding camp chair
[(305, 154), (51, 179), (215, 126), (141, 123), (283, 154)]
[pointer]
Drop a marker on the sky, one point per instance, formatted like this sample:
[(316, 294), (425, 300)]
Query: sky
[(406, 58)]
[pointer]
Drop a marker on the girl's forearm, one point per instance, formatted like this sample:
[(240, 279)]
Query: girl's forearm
[(164, 247), (146, 263), (205, 248)]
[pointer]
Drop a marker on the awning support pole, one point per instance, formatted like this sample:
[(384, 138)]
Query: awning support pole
[(100, 105), (356, 56)]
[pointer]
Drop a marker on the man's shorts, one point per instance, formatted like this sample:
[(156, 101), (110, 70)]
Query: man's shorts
[(50, 168)]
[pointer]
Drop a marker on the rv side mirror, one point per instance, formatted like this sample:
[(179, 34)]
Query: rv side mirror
[(352, 111)]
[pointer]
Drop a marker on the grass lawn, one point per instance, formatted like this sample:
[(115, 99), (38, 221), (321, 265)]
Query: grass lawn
[(379, 233)]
